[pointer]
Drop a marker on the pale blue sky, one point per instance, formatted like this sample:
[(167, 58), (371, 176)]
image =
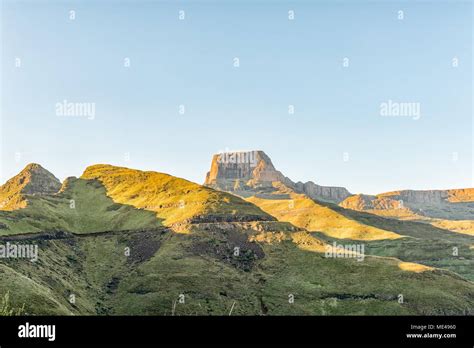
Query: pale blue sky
[(282, 62)]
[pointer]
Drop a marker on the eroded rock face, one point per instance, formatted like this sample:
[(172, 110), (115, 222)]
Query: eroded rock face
[(39, 180), (419, 197), (329, 193), (454, 204), (32, 180), (362, 202), (236, 171), (412, 196), (246, 172), (461, 195)]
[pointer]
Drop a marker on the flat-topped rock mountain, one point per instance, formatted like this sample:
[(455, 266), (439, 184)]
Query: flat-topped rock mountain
[(248, 172), (234, 171)]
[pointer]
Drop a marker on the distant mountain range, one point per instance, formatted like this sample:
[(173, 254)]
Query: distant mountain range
[(250, 241), (252, 173)]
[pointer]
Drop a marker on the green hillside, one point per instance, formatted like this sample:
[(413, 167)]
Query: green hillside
[(421, 243), (163, 266), (171, 198), (81, 207), (109, 198), (112, 242)]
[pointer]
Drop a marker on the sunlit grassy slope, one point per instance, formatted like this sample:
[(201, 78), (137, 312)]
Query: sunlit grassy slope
[(109, 198), (81, 207), (275, 261), (171, 198), (459, 226), (425, 244), (306, 213)]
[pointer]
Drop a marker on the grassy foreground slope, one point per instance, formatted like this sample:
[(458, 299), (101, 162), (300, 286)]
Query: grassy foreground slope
[(199, 273), (426, 244)]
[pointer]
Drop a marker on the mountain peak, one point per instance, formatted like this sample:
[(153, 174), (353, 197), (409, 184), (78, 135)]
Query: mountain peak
[(233, 171), (32, 166), (32, 180), (246, 172)]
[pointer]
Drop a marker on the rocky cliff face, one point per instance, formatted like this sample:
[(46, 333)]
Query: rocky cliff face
[(366, 202), (240, 171), (442, 204), (247, 172), (461, 195), (412, 196), (38, 180), (393, 200), (325, 193), (32, 180)]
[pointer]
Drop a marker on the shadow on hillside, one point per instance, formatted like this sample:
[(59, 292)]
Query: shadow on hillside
[(407, 228)]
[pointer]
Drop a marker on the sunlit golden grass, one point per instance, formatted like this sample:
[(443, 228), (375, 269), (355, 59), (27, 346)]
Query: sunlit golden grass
[(400, 214), (459, 226), (172, 199), (414, 267), (305, 241), (306, 213)]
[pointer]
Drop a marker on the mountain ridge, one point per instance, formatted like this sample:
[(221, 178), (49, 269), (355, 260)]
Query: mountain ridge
[(228, 253), (246, 173)]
